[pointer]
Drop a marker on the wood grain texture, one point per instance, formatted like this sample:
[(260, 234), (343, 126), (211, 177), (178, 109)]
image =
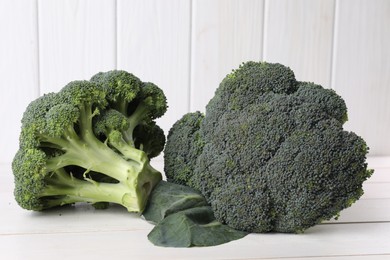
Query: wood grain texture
[(225, 33), (352, 240), (361, 69), (18, 69), (154, 44), (299, 34), (76, 40)]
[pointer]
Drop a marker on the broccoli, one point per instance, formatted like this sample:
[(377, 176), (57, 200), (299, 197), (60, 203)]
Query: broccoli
[(270, 153), (90, 142)]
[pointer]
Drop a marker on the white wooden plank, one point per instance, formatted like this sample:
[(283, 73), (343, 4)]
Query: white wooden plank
[(361, 68), (349, 257), (18, 69), (376, 190), (78, 218), (381, 166), (379, 161), (225, 33), (380, 175), (323, 240), (154, 44), (299, 34), (77, 40), (366, 210)]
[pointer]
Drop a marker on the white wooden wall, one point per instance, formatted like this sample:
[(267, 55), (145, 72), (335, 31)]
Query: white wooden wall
[(187, 46)]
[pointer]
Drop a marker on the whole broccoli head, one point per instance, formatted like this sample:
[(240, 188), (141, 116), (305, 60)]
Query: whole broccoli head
[(270, 154), (91, 142)]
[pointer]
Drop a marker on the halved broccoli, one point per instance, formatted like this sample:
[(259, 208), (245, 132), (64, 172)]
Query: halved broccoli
[(91, 142), (270, 153)]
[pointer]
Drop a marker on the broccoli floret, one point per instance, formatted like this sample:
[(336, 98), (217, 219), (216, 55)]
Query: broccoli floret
[(186, 150), (150, 138), (78, 145), (121, 87), (139, 109), (270, 154)]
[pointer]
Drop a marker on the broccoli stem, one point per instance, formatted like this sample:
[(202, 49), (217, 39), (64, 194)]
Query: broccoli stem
[(134, 120), (136, 180), (116, 140), (121, 104), (92, 154), (135, 175), (63, 189), (85, 150)]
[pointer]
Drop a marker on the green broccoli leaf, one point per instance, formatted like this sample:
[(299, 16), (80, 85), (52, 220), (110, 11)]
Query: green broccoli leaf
[(168, 198), (192, 227), (184, 219)]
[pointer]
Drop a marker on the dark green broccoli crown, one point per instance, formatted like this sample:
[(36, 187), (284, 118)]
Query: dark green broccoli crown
[(184, 147), (326, 100), (261, 77), (331, 171), (245, 84), (249, 205), (274, 156)]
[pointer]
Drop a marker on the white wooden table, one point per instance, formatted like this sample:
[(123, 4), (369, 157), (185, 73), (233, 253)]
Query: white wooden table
[(362, 231)]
